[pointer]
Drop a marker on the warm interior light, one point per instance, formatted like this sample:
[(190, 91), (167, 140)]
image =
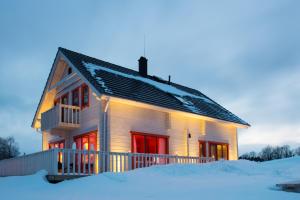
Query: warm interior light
[(86, 146)]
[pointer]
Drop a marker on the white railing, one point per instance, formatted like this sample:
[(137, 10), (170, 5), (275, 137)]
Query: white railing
[(30, 164), (83, 162), (61, 116)]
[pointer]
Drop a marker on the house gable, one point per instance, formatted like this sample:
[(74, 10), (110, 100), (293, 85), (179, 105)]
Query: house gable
[(58, 79)]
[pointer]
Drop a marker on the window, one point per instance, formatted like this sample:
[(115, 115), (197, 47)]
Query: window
[(65, 99), (84, 96), (149, 143), (202, 148), (69, 70), (56, 101), (59, 145), (218, 150), (75, 97), (86, 141)]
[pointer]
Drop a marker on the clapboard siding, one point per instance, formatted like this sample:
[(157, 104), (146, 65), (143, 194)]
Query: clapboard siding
[(125, 118), (222, 133)]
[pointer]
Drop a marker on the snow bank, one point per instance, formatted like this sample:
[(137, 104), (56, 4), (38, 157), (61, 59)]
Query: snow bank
[(220, 180)]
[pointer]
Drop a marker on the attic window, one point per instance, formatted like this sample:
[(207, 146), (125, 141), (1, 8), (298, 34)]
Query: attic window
[(69, 70)]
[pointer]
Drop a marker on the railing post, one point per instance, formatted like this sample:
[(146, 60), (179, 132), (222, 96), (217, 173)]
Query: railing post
[(54, 170), (176, 159), (129, 161)]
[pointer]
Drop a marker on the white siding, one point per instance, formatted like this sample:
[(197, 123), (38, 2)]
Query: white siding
[(125, 118)]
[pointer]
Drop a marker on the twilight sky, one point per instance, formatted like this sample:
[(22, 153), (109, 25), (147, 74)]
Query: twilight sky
[(243, 54)]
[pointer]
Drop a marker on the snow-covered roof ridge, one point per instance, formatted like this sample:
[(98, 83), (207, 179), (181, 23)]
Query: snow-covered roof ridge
[(164, 87)]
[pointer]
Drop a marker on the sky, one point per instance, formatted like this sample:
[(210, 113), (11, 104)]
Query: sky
[(243, 54)]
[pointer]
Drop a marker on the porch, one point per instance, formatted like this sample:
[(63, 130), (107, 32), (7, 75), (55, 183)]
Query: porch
[(77, 163)]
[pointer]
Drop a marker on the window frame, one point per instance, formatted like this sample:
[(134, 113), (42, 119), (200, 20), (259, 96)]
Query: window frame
[(81, 136), (157, 136), (218, 143), (72, 98), (63, 96), (82, 96), (203, 142), (57, 142)]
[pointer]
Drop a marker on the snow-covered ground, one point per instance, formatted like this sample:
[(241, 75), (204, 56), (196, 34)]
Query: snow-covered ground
[(219, 180)]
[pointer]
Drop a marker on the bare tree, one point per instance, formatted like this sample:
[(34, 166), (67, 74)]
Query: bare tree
[(266, 153), (8, 148)]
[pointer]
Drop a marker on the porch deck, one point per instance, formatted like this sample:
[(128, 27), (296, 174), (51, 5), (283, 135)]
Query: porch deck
[(71, 163)]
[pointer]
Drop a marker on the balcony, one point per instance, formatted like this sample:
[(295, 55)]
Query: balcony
[(61, 117)]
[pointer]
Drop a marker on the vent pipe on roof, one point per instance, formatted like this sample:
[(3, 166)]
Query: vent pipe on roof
[(143, 66)]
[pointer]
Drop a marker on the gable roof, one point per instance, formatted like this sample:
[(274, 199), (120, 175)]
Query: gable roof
[(121, 82)]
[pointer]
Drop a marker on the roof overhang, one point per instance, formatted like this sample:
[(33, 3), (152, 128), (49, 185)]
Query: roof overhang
[(159, 108)]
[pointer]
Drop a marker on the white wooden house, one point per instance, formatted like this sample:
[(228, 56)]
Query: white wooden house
[(98, 107)]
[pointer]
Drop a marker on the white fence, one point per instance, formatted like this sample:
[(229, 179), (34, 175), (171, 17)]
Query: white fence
[(29, 164), (61, 115), (83, 162)]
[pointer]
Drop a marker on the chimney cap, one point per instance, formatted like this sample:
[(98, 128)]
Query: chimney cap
[(143, 58), (143, 68)]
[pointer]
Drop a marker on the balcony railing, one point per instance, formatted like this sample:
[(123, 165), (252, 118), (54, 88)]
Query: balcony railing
[(83, 162), (61, 117)]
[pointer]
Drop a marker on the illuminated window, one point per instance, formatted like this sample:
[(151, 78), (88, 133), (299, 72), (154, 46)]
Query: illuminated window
[(58, 145), (86, 142), (146, 143), (218, 150)]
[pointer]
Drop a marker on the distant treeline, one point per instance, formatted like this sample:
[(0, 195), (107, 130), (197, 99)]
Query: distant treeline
[(271, 153)]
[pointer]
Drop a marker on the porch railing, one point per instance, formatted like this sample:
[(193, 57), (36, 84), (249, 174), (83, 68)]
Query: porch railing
[(61, 116), (83, 162)]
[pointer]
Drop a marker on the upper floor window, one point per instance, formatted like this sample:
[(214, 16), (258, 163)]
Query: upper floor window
[(84, 96), (69, 70), (65, 99), (75, 97)]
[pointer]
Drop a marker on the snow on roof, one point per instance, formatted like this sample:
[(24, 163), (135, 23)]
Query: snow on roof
[(179, 94), (92, 68)]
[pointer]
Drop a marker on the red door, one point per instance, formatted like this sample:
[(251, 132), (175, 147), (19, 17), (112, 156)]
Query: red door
[(86, 142)]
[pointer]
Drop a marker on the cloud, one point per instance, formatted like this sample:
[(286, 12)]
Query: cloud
[(243, 54)]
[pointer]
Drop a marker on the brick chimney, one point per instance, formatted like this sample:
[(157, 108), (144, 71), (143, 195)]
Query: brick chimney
[(143, 66)]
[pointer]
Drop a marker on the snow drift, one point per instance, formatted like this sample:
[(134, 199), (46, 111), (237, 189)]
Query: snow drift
[(218, 180)]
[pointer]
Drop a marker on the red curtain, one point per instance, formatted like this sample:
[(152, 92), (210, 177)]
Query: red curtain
[(149, 144)]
